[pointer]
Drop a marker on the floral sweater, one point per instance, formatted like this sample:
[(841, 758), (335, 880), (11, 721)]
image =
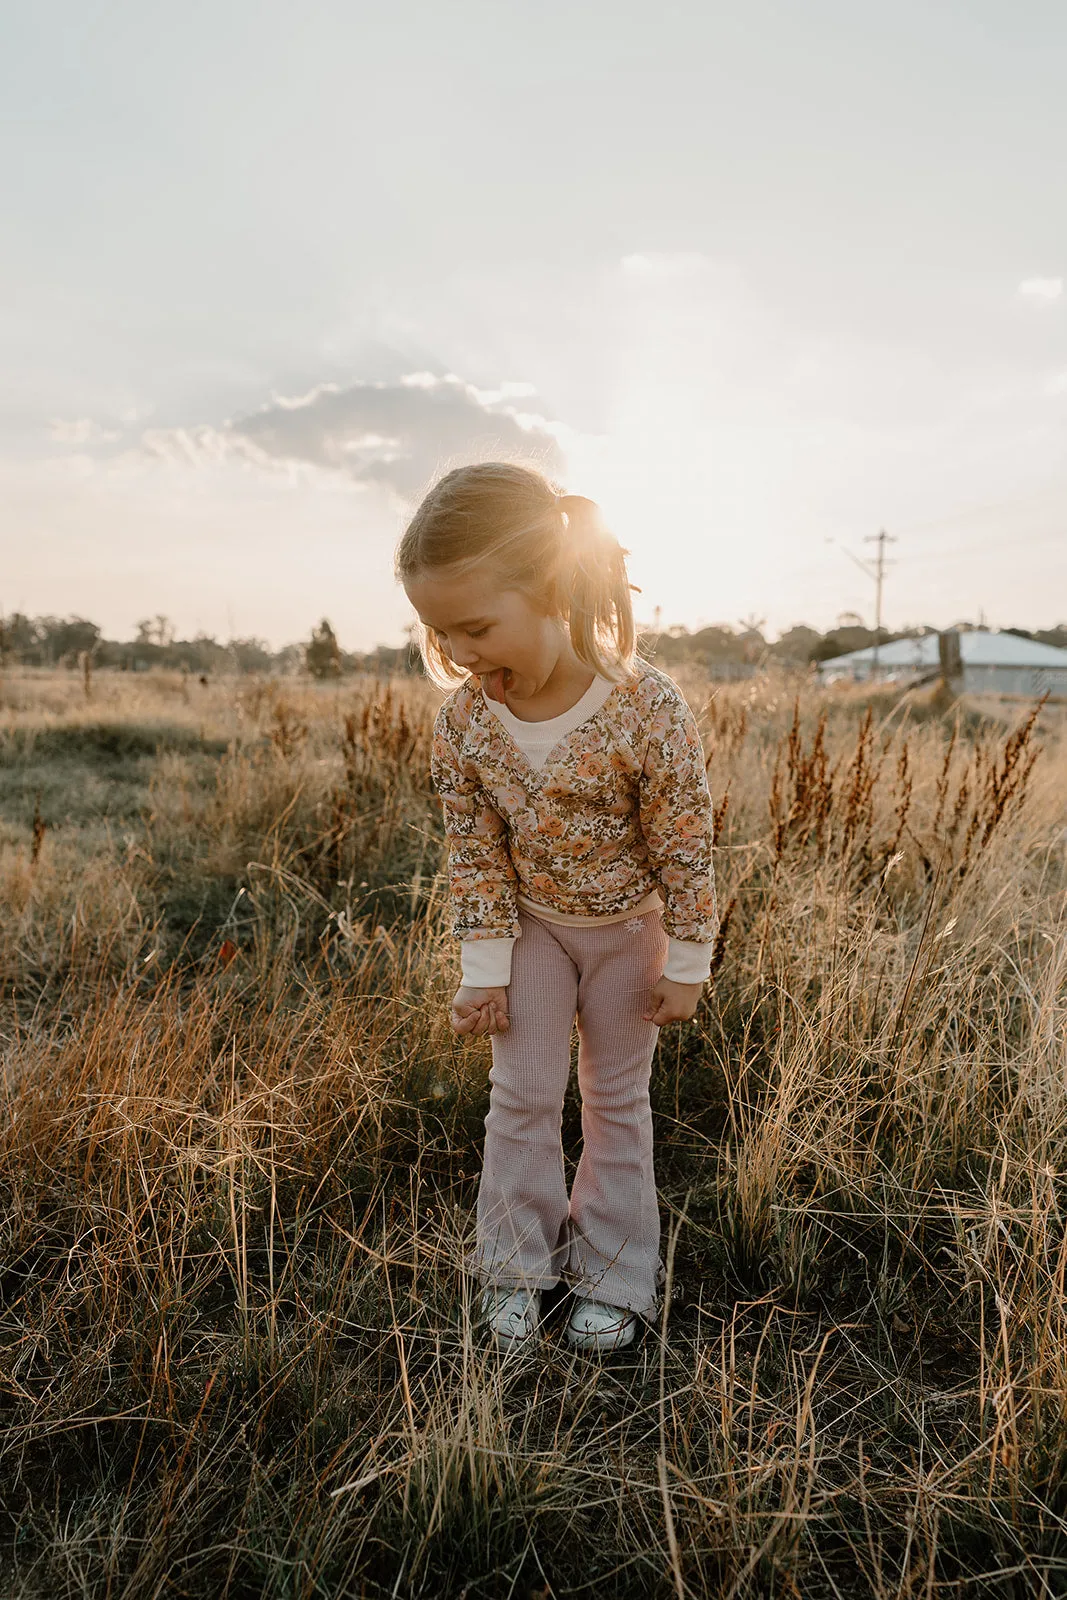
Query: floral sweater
[(619, 809)]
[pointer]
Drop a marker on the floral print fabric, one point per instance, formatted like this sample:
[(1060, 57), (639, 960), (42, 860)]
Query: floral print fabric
[(620, 807)]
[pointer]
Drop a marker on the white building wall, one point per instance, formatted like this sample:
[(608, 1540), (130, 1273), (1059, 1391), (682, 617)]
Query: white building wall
[(1029, 681)]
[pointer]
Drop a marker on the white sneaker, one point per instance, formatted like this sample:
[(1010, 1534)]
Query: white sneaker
[(596, 1326), (511, 1315)]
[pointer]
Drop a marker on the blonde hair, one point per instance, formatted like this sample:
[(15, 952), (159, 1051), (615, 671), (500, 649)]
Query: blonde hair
[(552, 547)]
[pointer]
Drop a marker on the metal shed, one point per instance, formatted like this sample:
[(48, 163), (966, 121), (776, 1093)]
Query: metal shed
[(993, 663)]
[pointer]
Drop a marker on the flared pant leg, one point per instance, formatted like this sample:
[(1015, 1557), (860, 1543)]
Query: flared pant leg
[(604, 1237), (523, 1209), (614, 1214)]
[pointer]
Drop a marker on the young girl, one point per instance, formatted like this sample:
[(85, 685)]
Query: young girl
[(574, 793)]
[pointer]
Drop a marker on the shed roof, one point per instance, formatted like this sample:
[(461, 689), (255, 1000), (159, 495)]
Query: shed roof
[(978, 648)]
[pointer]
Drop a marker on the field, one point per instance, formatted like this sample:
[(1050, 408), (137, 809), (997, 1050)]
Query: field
[(240, 1151)]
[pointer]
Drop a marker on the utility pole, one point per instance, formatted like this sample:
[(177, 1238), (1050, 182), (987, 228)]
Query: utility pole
[(881, 540), (876, 572)]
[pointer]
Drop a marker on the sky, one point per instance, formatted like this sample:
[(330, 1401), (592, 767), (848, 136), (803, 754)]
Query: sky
[(763, 280)]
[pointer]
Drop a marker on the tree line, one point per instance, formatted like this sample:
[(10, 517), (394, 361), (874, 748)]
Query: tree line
[(50, 641)]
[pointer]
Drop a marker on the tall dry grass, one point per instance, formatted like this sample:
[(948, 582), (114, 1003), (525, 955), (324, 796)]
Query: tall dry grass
[(240, 1152)]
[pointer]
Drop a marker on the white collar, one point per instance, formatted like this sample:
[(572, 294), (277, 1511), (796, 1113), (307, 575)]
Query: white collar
[(537, 740)]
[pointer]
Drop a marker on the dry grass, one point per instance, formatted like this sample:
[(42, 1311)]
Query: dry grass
[(240, 1152)]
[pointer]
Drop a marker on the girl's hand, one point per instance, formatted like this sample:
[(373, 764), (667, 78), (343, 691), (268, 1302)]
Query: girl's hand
[(480, 1011), (672, 1002)]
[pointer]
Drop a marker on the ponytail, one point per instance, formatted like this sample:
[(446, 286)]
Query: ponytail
[(594, 589)]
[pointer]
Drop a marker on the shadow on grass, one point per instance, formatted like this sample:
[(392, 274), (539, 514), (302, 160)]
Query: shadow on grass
[(104, 743)]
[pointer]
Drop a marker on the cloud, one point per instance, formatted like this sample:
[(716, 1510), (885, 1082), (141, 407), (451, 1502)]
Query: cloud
[(81, 431), (1043, 290), (397, 435)]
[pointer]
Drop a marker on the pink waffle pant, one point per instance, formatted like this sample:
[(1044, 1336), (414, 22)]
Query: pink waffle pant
[(604, 1238)]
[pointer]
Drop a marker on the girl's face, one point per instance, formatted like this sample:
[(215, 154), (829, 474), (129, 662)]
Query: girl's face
[(495, 633)]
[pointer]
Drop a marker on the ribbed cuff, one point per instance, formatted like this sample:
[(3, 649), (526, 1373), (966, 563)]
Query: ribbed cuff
[(687, 961), (486, 963)]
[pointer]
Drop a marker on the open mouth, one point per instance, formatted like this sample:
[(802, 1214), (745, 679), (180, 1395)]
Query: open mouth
[(496, 683)]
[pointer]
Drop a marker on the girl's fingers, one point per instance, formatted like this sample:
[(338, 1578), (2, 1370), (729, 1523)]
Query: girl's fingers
[(499, 1020), (467, 1021), (482, 1019), (487, 1018), (660, 1016)]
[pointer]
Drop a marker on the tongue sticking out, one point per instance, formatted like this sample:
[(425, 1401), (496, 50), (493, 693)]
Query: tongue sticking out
[(494, 683)]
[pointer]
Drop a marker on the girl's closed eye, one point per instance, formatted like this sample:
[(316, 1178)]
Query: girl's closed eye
[(471, 633)]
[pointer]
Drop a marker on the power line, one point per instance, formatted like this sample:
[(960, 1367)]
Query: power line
[(1052, 496), (994, 545)]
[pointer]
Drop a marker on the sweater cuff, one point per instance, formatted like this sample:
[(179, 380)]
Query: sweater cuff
[(486, 963), (687, 961)]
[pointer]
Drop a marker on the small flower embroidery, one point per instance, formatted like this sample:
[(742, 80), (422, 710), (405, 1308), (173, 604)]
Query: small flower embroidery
[(626, 810), (690, 825), (509, 798)]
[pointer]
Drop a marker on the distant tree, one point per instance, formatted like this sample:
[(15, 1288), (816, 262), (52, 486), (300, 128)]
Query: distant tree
[(290, 659), (21, 638), (842, 640), (56, 639), (674, 645), (717, 643), (24, 637), (323, 653), (204, 653), (157, 630), (751, 640), (73, 638), (383, 661), (251, 655), (796, 644)]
